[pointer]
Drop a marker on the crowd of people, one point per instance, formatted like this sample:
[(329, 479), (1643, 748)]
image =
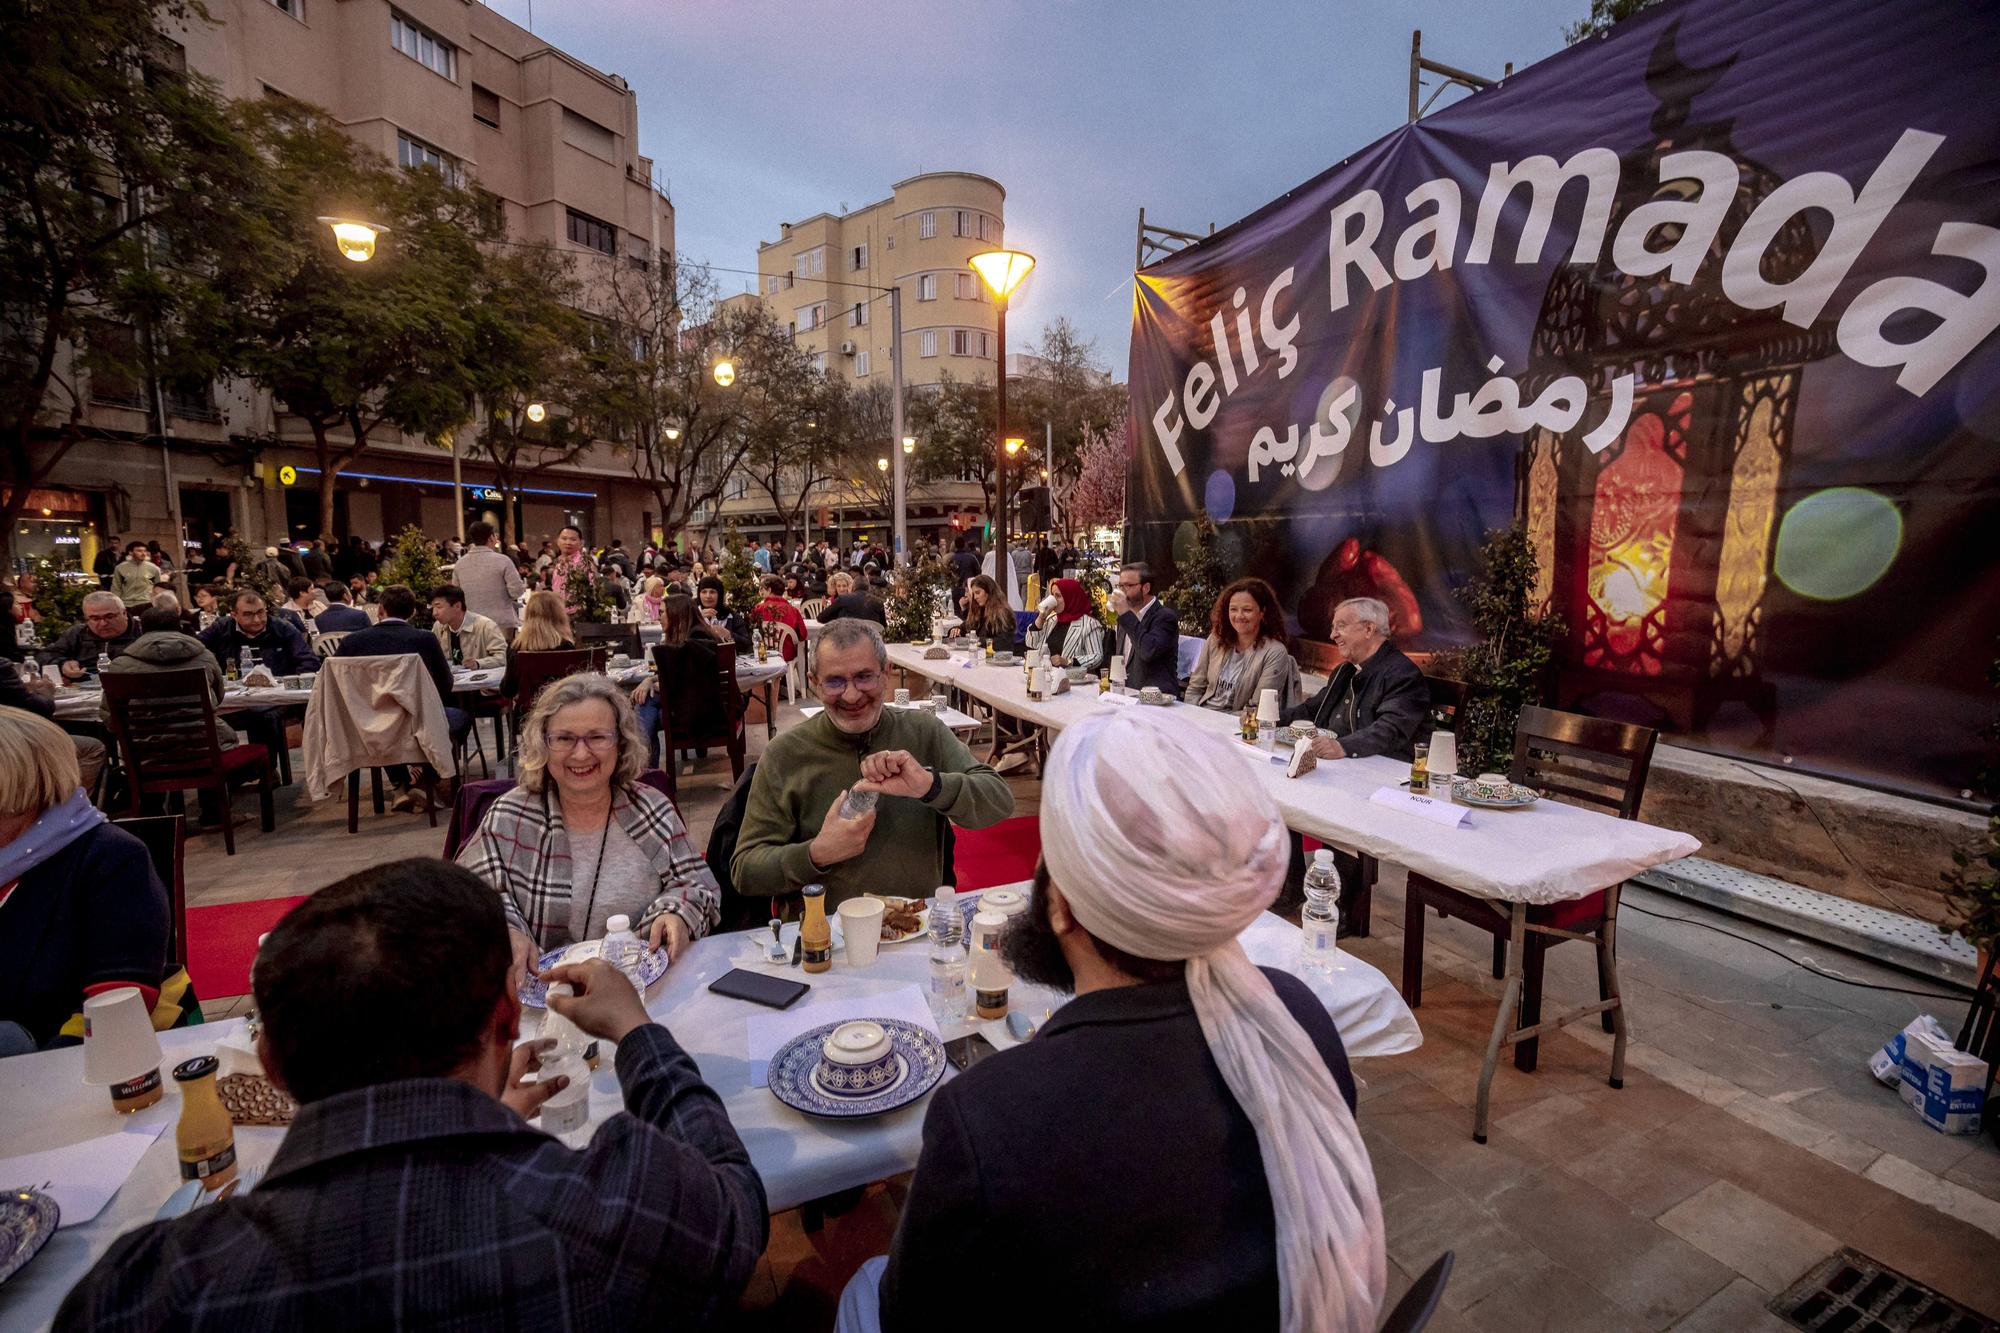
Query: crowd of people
[(1149, 871)]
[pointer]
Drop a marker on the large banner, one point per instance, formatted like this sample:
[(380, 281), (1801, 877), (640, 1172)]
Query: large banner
[(1708, 305)]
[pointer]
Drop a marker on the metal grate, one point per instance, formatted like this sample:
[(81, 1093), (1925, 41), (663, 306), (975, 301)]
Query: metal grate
[(1852, 1293)]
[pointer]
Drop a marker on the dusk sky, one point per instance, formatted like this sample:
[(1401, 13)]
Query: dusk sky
[(756, 113)]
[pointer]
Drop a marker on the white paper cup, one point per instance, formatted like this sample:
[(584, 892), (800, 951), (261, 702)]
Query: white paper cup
[(902, 696), (861, 928), (120, 1049)]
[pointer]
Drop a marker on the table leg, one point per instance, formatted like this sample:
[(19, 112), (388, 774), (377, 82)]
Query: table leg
[(1503, 1021), (770, 708), (1609, 955)]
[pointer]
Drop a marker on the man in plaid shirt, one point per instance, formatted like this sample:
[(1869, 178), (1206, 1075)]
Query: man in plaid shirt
[(410, 1192)]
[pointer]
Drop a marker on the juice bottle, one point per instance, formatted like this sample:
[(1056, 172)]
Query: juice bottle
[(204, 1138), (815, 934)]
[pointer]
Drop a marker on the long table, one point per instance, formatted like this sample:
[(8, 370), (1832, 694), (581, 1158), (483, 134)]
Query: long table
[(800, 1158), (1546, 853)]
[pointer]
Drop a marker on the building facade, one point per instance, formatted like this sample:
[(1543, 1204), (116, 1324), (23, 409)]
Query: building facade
[(825, 278), (448, 84)]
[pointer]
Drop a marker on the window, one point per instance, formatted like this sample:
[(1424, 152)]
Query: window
[(414, 152), (593, 232), (492, 211), (927, 344), (809, 263), (926, 225), (959, 338), (486, 106), (115, 349), (858, 317), (737, 487), (962, 224), (819, 361), (584, 133), (812, 316), (859, 259), (927, 287), (296, 8), (860, 363), (969, 342), (964, 286), (771, 283), (422, 45), (892, 240)]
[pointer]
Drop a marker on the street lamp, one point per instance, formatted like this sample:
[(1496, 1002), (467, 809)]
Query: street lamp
[(881, 465), (1014, 443), (1002, 271), (355, 238), (673, 433), (909, 444), (537, 413), (725, 372)]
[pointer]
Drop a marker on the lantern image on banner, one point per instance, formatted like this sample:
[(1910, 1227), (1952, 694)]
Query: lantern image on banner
[(1657, 551)]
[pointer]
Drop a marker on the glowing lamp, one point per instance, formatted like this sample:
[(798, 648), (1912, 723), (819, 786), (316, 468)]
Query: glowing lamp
[(881, 465), (909, 444), (1014, 443), (355, 239), (1002, 270), (725, 372), (673, 433), (536, 412)]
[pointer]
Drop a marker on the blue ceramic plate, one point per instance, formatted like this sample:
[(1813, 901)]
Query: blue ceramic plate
[(535, 992), (27, 1220), (1517, 798), (793, 1073)]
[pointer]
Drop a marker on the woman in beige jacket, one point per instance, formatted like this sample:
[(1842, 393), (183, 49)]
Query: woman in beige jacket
[(1245, 652)]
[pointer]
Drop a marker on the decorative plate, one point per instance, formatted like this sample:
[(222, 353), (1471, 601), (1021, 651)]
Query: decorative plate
[(1517, 798), (28, 1218), (794, 1074), (534, 991)]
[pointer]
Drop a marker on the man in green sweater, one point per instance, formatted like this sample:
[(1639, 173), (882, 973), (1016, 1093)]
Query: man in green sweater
[(793, 833)]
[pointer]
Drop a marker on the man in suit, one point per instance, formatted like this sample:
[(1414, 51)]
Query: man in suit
[(393, 634), (1173, 1038), (339, 617), (1377, 700), (1149, 633)]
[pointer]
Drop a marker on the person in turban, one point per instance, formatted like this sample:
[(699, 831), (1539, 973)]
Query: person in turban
[(1176, 1147)]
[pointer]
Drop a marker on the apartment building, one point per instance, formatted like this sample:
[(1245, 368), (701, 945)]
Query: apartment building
[(448, 84), (826, 279)]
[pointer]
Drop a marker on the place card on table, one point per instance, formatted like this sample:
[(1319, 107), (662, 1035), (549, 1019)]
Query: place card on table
[(767, 1032), (1423, 807), (82, 1177)]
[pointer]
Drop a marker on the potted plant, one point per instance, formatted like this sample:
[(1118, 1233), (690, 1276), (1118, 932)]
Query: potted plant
[(917, 593), (1198, 577), (413, 562), (1509, 666)]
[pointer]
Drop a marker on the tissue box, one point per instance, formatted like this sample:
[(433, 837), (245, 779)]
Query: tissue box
[(1887, 1063), (1945, 1086)]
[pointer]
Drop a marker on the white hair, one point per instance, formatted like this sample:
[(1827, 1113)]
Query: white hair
[(101, 598), (849, 631), (1369, 609)]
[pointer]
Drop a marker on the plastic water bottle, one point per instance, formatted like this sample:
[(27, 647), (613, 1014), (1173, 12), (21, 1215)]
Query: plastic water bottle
[(1320, 920), (244, 662), (103, 663), (858, 803), (947, 925), (569, 1109), (624, 950)]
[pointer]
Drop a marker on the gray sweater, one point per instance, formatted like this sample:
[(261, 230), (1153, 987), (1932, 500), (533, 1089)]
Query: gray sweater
[(1269, 667)]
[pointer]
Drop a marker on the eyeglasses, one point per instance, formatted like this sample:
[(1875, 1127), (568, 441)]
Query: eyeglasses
[(564, 742), (867, 682)]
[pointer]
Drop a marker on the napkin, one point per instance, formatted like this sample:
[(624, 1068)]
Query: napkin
[(82, 1177), (768, 1032)]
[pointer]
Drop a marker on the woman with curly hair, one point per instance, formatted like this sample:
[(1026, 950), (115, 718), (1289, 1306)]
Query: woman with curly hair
[(1245, 652), (988, 615), (581, 839)]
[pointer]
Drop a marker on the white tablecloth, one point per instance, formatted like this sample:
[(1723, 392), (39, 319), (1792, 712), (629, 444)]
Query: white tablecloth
[(1548, 852), (951, 717), (80, 705), (45, 1104), (750, 674)]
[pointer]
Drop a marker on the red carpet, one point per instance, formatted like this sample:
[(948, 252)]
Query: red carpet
[(222, 942), (1003, 854)]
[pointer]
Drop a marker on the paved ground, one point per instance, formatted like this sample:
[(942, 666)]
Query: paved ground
[(1748, 1143)]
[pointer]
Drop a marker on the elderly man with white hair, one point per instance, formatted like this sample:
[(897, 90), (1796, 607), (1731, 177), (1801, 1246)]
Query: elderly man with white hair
[(107, 629), (1376, 701), (1176, 1148)]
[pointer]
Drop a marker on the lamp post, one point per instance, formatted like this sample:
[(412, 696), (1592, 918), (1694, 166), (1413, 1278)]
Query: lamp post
[(1002, 271), (355, 238)]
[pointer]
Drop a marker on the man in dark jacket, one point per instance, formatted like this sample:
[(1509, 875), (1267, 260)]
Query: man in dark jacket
[(393, 634), (1377, 700), (271, 639), (163, 647), (339, 617), (1149, 632), (107, 628)]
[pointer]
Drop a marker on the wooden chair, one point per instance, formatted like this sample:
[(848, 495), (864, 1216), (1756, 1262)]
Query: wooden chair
[(1584, 761), (620, 638), (534, 670), (166, 729), (474, 799), (701, 704)]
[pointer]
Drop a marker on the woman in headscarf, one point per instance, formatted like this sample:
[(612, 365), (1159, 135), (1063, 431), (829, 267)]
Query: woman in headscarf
[(1207, 1100), (1072, 635), (726, 625)]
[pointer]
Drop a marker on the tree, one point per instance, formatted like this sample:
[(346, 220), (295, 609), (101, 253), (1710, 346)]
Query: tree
[(350, 348), (653, 387), (1509, 667), (528, 347), (1604, 14), (119, 175), (859, 430), (1096, 498), (1064, 397), (953, 423), (793, 454)]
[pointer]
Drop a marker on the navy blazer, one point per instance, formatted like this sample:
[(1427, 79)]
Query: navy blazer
[(1152, 648), (1392, 704), (388, 638), (1114, 1169), (340, 618)]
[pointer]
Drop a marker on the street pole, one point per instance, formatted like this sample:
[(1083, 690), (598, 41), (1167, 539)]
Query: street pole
[(457, 489), (902, 551), (1000, 455)]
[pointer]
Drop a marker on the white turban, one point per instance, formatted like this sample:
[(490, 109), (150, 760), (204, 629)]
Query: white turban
[(1160, 854)]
